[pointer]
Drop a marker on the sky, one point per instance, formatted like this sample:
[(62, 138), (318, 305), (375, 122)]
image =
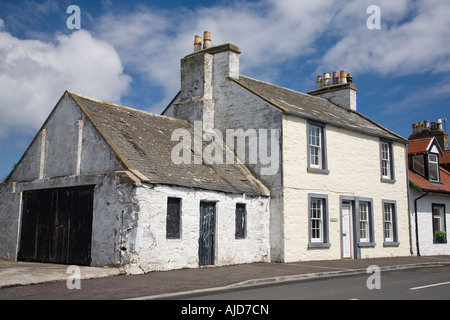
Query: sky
[(128, 52)]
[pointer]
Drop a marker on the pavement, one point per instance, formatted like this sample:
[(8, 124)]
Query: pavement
[(172, 284)]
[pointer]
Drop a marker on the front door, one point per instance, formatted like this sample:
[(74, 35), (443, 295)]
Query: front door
[(347, 246), (206, 239)]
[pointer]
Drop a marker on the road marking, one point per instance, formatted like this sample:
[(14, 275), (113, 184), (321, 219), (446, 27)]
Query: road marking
[(430, 286)]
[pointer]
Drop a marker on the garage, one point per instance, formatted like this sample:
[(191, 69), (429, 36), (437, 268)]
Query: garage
[(57, 225)]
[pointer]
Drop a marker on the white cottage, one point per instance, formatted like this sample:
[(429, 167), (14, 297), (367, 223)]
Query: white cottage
[(429, 182), (98, 186), (338, 180)]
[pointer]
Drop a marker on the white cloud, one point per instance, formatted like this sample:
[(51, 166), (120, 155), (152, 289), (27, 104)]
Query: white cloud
[(412, 40), (331, 34), (34, 74)]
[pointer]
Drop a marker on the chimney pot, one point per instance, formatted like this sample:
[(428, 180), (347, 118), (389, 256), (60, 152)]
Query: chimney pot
[(326, 79), (319, 82), (335, 77), (349, 78), (197, 43), (439, 124), (206, 40), (343, 76), (420, 127), (426, 125), (414, 127), (433, 126)]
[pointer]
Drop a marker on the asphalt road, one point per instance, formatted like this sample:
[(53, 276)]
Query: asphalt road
[(415, 284)]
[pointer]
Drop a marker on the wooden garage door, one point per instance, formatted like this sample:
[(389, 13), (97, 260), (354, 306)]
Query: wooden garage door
[(57, 225)]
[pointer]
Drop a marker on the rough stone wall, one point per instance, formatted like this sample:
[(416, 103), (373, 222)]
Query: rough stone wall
[(9, 223), (153, 251)]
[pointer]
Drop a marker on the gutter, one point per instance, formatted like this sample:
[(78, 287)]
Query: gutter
[(417, 226)]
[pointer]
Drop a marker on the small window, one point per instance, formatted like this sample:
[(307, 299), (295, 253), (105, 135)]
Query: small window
[(390, 223), (241, 221), (317, 159), (387, 161), (439, 227), (433, 167), (364, 231), (318, 221), (418, 164), (173, 220)]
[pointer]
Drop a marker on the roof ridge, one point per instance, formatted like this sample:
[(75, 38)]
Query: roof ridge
[(115, 105)]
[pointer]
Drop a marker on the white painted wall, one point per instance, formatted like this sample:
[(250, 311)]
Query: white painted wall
[(425, 222), (152, 251), (354, 170)]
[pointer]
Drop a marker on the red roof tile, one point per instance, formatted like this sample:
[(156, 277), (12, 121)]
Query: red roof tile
[(421, 182), (419, 145)]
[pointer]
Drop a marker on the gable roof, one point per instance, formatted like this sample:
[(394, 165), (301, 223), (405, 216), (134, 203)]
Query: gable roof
[(424, 145), (315, 108), (142, 141)]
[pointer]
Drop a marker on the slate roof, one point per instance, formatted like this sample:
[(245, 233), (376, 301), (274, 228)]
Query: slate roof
[(315, 108), (142, 142)]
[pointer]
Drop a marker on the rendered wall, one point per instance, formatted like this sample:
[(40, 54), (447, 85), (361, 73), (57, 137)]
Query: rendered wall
[(425, 221), (354, 171)]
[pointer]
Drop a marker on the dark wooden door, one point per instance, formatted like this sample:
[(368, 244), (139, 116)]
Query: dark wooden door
[(207, 228), (57, 225)]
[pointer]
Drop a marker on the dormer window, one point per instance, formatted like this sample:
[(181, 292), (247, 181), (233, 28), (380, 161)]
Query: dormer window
[(418, 164), (433, 167)]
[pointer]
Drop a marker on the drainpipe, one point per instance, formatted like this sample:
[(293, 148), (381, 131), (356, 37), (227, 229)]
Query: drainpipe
[(417, 226)]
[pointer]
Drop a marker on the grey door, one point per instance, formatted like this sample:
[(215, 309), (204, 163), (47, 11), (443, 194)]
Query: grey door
[(206, 238)]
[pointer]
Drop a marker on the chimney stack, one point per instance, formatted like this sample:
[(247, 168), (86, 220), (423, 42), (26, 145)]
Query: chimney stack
[(341, 91), (206, 40)]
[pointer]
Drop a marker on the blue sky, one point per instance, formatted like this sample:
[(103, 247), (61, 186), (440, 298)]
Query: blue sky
[(129, 52)]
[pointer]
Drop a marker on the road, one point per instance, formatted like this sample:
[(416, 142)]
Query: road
[(415, 284), (394, 285)]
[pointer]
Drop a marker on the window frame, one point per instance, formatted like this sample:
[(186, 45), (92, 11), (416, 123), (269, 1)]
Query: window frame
[(392, 240), (436, 165), (322, 166), (442, 217), (390, 161), (170, 233), (323, 240), (240, 224)]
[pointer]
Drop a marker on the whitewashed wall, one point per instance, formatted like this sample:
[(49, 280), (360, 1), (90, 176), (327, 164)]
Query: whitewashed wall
[(354, 171), (152, 251), (425, 221)]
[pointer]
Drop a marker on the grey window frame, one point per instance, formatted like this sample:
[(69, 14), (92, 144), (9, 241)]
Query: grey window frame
[(390, 144), (434, 205), (370, 220), (394, 218), (325, 223), (323, 149)]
